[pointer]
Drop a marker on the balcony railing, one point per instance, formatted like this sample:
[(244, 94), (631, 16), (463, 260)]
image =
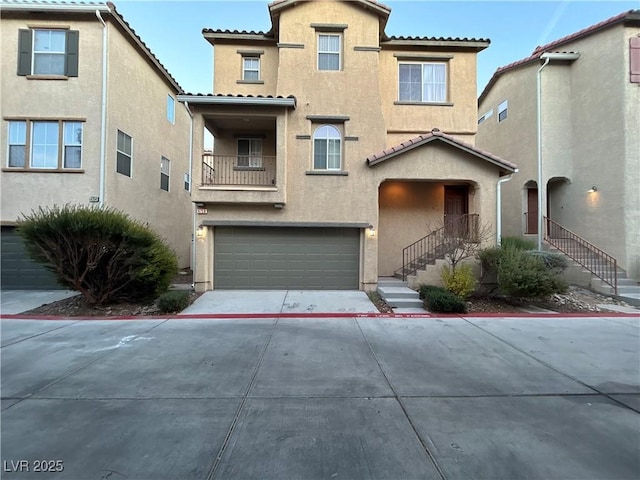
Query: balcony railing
[(238, 170)]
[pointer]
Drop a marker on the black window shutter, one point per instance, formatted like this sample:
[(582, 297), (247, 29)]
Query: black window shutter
[(71, 57), (24, 52)]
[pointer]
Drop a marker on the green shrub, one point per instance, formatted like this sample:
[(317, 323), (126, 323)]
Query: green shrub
[(554, 261), (523, 274), (100, 252), (489, 258), (425, 290), (444, 302), (517, 243), (461, 281), (173, 301)]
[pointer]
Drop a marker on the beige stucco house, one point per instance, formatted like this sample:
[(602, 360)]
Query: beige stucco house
[(335, 147), (89, 116), (587, 141)]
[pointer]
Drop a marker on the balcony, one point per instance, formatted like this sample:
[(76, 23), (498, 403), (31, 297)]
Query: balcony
[(240, 179), (246, 171)]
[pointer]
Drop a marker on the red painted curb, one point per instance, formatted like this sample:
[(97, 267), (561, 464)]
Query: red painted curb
[(213, 316)]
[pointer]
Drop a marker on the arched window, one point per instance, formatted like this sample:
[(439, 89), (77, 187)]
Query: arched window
[(327, 148)]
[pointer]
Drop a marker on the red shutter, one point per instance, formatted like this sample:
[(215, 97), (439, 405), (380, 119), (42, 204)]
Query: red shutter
[(634, 59)]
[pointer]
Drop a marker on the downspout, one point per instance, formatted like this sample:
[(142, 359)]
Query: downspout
[(539, 136), (502, 180), (103, 128), (193, 207)]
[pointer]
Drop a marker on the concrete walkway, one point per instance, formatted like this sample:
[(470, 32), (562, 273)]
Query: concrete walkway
[(18, 301), (331, 398), (282, 301)]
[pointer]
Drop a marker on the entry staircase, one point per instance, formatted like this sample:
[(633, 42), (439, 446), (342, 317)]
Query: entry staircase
[(600, 270), (429, 250), (606, 276)]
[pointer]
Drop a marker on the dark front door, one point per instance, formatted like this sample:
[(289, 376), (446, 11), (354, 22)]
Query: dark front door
[(456, 206), (532, 210)]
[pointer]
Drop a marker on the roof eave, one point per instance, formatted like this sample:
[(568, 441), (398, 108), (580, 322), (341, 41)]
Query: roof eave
[(230, 100), (54, 7), (473, 45), (503, 166)]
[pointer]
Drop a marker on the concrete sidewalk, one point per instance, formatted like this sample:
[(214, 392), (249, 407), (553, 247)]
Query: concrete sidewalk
[(307, 398)]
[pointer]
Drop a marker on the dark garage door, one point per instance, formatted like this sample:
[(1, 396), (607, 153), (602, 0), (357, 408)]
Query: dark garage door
[(286, 258), (18, 271)]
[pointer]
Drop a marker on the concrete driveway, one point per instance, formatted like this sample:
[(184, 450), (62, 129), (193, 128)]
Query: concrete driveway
[(334, 398)]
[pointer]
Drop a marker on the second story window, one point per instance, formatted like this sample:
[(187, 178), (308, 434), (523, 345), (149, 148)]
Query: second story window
[(503, 111), (249, 152), (48, 52), (329, 51), (327, 148), (165, 167), (124, 154), (171, 109), (422, 82), (250, 68), (45, 145)]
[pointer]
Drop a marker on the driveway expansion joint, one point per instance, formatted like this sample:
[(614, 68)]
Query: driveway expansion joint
[(405, 412), (551, 367)]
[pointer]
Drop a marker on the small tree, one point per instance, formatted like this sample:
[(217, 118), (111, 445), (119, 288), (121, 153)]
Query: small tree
[(101, 253), (462, 239)]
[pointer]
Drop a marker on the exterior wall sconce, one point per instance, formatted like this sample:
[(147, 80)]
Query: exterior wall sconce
[(593, 189), (278, 205), (201, 232), (371, 231)]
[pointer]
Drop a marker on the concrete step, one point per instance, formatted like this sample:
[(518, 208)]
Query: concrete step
[(391, 282), (630, 298), (397, 292), (403, 302)]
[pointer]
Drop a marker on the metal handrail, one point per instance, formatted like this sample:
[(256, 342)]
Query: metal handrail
[(428, 248), (592, 258), (238, 170)]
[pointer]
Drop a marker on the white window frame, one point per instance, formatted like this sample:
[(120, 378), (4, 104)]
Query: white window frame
[(21, 141), (165, 172), (71, 144), (253, 158), (26, 140), (245, 69), (422, 82), (326, 139), (330, 52), (129, 155), (503, 107), (35, 52), (171, 109), (485, 117), (187, 181)]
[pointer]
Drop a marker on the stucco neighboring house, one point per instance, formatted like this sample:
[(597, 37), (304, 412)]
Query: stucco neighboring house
[(89, 116), (335, 147), (587, 141)]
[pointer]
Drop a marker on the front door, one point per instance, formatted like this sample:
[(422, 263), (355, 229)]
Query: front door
[(532, 210), (456, 205)]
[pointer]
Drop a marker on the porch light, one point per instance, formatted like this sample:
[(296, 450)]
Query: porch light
[(593, 189), (201, 232), (371, 231)]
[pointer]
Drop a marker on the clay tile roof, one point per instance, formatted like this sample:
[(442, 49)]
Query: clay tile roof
[(233, 95), (437, 135), (552, 46), (235, 32), (438, 39)]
